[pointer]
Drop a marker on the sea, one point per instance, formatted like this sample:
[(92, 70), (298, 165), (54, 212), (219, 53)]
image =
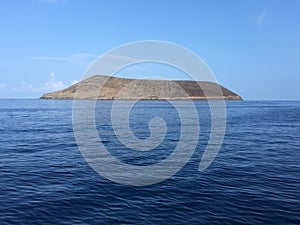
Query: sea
[(254, 179)]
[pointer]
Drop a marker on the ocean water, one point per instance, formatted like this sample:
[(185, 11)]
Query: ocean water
[(255, 178)]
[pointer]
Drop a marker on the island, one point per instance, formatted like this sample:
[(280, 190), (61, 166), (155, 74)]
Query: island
[(103, 87)]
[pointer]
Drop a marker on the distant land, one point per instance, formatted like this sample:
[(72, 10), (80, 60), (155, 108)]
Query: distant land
[(108, 87)]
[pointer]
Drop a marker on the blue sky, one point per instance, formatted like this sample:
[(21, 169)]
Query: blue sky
[(252, 46)]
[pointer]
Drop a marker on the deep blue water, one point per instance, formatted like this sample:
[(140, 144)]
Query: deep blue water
[(255, 178)]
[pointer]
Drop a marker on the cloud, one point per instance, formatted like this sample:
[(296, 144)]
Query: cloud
[(105, 66), (48, 86), (261, 18), (52, 84), (74, 82), (82, 58)]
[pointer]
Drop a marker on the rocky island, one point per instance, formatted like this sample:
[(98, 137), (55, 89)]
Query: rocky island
[(108, 87)]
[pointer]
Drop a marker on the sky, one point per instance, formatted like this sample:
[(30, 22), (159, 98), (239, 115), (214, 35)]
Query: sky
[(252, 46)]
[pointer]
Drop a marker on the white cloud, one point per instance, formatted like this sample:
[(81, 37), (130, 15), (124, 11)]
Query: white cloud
[(52, 84), (48, 86), (74, 82), (108, 63), (261, 18), (82, 58)]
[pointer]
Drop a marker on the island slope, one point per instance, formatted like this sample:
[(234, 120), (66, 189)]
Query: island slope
[(108, 87)]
